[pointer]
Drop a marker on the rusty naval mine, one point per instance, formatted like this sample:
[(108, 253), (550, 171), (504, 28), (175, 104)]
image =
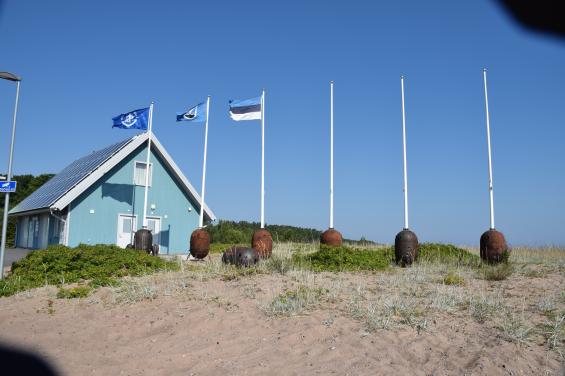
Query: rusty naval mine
[(262, 241), (331, 237), (493, 247), (405, 247), (199, 243)]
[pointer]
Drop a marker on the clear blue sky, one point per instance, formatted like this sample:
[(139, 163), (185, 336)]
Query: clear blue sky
[(85, 62)]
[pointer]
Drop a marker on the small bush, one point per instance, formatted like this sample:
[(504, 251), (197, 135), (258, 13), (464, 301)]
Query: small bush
[(74, 292), (496, 272), (453, 279), (100, 264), (343, 258), (447, 254)]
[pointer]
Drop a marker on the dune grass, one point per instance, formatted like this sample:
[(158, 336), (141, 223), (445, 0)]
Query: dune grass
[(359, 282)]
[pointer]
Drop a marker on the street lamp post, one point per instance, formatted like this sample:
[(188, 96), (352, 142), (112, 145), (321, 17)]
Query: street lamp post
[(10, 77)]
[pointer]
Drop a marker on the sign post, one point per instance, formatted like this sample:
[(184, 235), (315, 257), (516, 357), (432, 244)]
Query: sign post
[(9, 77)]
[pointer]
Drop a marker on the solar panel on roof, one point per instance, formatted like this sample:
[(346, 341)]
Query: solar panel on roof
[(57, 186)]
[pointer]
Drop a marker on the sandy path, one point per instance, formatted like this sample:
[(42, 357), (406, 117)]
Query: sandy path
[(181, 335)]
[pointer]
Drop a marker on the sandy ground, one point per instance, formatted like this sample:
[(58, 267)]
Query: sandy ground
[(186, 324)]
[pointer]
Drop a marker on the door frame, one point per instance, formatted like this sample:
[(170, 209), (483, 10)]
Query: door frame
[(133, 226), (160, 218)]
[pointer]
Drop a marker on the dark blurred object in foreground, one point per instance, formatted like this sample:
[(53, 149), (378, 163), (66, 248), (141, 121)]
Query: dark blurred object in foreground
[(17, 362), (539, 15)]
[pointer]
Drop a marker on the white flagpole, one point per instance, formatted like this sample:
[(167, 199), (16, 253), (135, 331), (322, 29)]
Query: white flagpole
[(331, 154), (263, 159), (147, 169), (405, 188), (490, 188), (204, 163)]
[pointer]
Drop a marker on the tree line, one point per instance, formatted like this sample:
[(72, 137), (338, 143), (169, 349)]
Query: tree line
[(232, 232)]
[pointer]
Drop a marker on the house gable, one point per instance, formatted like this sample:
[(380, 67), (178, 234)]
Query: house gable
[(94, 213)]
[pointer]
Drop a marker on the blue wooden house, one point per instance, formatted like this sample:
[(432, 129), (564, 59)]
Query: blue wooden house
[(98, 199)]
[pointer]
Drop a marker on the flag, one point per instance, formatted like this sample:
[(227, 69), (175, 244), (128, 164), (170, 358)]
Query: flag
[(247, 109), (195, 114), (137, 119)]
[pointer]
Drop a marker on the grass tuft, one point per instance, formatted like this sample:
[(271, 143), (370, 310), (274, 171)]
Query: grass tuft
[(294, 302), (453, 279), (497, 272), (74, 292), (554, 333)]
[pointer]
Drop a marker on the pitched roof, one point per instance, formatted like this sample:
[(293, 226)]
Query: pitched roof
[(65, 180), (73, 180)]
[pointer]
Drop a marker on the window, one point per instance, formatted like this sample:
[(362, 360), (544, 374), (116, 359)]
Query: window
[(139, 173), (127, 225)]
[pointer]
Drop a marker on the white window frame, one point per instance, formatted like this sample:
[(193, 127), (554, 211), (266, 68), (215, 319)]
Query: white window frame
[(150, 173)]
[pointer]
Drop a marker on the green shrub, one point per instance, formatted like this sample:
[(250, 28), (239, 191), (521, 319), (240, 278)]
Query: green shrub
[(447, 254), (100, 264), (343, 258), (74, 292)]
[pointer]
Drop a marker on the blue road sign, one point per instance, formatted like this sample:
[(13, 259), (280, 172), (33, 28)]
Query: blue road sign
[(8, 186)]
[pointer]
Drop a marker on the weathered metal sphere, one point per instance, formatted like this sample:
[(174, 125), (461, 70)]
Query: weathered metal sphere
[(240, 256), (493, 246), (405, 247), (199, 243), (331, 237), (143, 240), (262, 241)]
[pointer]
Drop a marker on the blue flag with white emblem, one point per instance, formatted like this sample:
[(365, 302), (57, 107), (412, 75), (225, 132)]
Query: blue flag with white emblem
[(137, 119), (195, 114)]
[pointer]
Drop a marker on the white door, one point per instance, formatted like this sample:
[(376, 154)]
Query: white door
[(154, 224), (127, 224)]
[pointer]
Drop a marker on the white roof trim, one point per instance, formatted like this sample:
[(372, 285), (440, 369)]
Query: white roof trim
[(63, 201)]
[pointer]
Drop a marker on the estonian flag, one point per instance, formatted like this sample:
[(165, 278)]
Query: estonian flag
[(132, 120), (247, 109), (195, 115)]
